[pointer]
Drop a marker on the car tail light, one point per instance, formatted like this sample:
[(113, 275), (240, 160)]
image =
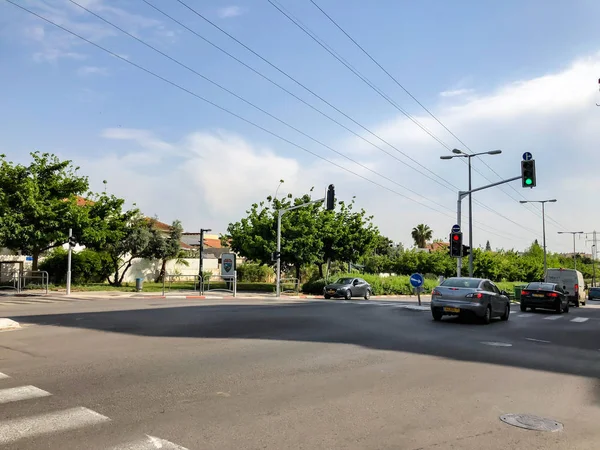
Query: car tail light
[(436, 292), (576, 288), (475, 295), (552, 294), (524, 292)]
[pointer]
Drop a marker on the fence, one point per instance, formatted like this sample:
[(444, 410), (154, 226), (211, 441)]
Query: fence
[(295, 282), (229, 281), (198, 284), (35, 275)]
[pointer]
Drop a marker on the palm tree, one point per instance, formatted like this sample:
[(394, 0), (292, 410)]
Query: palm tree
[(421, 234)]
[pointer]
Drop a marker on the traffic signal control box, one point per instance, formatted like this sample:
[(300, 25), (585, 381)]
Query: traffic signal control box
[(528, 173)]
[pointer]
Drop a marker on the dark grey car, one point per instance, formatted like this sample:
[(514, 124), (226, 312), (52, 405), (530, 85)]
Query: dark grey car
[(478, 296), (348, 288)]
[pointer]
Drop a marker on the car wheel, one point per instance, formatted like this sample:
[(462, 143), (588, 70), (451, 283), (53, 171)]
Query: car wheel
[(558, 308), (437, 314), (506, 313), (327, 297), (367, 294), (566, 310), (523, 307), (487, 317), (348, 295)]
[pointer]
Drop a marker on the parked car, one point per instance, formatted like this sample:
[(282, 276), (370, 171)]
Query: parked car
[(594, 293), (571, 281), (478, 296), (545, 296), (348, 288)]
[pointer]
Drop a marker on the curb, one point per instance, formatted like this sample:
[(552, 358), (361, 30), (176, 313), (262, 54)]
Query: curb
[(8, 324)]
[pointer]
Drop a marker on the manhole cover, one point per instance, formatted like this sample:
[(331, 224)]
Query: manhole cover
[(497, 344), (531, 422)]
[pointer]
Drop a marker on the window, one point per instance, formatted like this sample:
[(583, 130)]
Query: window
[(542, 286), (487, 286), (495, 288), (345, 281), (461, 283)]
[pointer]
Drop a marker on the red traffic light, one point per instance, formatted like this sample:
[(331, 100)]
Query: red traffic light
[(455, 237)]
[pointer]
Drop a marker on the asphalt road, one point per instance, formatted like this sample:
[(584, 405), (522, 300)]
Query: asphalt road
[(264, 374)]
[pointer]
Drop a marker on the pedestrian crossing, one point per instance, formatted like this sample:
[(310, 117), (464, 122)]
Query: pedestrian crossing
[(12, 301), (14, 431)]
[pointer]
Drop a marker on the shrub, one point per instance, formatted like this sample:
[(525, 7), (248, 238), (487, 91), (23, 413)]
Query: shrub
[(393, 285), (254, 273), (88, 266)]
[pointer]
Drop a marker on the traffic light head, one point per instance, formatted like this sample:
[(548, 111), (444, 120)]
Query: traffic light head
[(528, 173), (72, 241), (330, 198), (456, 244)]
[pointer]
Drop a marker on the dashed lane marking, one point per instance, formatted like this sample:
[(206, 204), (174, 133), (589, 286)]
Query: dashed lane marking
[(149, 443), (68, 419), (553, 317), (538, 340), (3, 375), (580, 319)]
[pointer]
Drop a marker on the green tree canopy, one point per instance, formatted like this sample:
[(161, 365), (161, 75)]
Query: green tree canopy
[(38, 203), (421, 234)]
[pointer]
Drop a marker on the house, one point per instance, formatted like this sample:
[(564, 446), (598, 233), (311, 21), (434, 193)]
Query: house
[(437, 246)]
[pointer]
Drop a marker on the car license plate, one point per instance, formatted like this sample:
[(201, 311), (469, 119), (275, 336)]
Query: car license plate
[(452, 310), (539, 295), (331, 291)]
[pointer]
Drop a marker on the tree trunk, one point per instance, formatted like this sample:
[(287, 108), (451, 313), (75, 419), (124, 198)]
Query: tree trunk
[(297, 272), (36, 257), (163, 269), (120, 282), (320, 266)]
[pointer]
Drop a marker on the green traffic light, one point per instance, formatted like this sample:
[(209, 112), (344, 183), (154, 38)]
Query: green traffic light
[(528, 181)]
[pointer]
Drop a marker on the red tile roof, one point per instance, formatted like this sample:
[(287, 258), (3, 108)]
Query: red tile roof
[(437, 246)]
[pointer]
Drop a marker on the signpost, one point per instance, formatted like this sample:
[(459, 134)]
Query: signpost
[(527, 156), (417, 281), (456, 228)]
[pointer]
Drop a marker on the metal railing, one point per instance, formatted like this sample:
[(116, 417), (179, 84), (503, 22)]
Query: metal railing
[(35, 275), (287, 281), (228, 280), (198, 282)]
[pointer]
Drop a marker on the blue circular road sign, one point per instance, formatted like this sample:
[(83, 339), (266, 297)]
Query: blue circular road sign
[(527, 156), (417, 280), (455, 228)]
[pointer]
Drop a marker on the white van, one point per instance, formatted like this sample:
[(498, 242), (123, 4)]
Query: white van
[(572, 283)]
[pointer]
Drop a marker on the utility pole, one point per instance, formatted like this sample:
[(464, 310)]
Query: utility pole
[(574, 254), (201, 261), (543, 202), (594, 254), (71, 245)]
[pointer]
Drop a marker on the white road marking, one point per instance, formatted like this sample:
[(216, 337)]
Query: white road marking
[(497, 344), (21, 393), (525, 315), (68, 419), (3, 375), (149, 443), (538, 340), (553, 317), (580, 319)]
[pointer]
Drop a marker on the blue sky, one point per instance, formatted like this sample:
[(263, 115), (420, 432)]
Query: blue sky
[(515, 75)]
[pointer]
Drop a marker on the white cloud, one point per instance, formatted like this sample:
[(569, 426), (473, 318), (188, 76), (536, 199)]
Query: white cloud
[(142, 138), (456, 92), (230, 11), (92, 70)]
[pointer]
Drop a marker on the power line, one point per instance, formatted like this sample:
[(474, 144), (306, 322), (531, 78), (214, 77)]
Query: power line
[(220, 107), (310, 91), (423, 106)]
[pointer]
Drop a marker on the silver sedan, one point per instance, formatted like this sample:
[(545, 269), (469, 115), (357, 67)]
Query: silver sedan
[(478, 296)]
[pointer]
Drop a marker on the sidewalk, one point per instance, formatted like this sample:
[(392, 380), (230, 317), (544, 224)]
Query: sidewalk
[(193, 295)]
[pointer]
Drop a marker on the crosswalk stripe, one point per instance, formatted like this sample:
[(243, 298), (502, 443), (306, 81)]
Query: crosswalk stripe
[(21, 393), (3, 375), (580, 319), (149, 443), (68, 419), (553, 317), (524, 315)]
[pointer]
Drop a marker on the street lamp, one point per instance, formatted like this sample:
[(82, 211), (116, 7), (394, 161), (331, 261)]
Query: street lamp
[(460, 154), (573, 233), (543, 202)]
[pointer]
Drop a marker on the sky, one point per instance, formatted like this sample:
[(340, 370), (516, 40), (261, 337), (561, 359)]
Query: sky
[(181, 129)]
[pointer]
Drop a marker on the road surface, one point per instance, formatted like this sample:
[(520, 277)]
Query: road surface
[(304, 374)]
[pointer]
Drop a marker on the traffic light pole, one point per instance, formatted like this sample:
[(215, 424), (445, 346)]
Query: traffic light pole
[(280, 213), (463, 194), (68, 290)]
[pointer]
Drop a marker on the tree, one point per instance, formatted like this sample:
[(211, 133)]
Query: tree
[(123, 235), (488, 247), (421, 234), (164, 247), (38, 203)]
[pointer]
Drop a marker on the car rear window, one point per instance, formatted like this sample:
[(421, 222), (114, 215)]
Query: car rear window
[(461, 282), (344, 280), (543, 286)]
